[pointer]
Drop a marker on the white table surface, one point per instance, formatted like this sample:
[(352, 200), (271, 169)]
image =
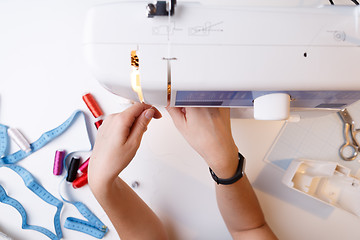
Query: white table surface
[(42, 78)]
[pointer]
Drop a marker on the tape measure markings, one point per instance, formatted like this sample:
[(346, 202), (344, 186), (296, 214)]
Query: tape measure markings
[(3, 142), (93, 227), (42, 141), (78, 225), (85, 211), (97, 228), (42, 193), (4, 198)]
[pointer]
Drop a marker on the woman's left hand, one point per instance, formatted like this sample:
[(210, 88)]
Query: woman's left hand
[(116, 143)]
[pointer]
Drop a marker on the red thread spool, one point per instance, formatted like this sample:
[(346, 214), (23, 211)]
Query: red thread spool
[(80, 181), (98, 123), (92, 105)]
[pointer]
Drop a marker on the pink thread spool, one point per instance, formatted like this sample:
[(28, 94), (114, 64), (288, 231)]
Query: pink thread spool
[(58, 162), (83, 167)]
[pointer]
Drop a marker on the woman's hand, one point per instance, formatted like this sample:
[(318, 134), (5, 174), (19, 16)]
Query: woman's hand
[(208, 131), (116, 143)]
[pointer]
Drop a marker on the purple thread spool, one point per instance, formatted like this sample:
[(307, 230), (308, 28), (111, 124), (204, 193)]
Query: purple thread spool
[(58, 162)]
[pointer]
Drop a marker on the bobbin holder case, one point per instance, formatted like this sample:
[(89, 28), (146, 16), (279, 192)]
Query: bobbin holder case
[(227, 55)]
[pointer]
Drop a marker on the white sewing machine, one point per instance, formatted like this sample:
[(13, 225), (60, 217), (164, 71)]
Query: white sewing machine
[(263, 58)]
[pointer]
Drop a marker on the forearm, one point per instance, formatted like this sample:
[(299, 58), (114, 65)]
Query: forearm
[(208, 131), (129, 214), (239, 206)]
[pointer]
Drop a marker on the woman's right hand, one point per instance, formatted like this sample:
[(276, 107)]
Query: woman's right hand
[(208, 131)]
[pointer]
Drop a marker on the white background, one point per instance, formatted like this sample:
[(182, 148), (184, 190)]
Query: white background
[(42, 78)]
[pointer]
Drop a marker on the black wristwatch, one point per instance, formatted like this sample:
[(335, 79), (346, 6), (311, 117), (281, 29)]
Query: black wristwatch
[(239, 173)]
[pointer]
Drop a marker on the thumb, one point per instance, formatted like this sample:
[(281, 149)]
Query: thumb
[(140, 126), (177, 115)]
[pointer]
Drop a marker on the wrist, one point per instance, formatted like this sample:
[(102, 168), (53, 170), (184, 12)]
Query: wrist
[(239, 173), (224, 165), (225, 171), (100, 186)]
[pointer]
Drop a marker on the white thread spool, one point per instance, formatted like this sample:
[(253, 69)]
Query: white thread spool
[(3, 236), (19, 139)]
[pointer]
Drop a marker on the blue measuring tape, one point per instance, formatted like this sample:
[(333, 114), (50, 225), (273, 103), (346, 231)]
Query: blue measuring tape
[(93, 226), (4, 198)]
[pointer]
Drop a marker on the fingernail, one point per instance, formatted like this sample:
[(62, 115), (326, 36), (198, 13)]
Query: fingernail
[(149, 113)]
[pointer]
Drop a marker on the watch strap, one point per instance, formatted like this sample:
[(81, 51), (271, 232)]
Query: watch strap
[(239, 173)]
